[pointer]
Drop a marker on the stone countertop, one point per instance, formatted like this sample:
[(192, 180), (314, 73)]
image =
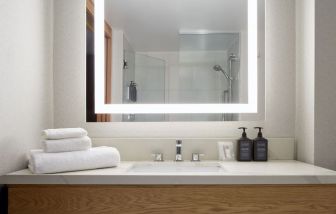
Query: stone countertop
[(271, 172)]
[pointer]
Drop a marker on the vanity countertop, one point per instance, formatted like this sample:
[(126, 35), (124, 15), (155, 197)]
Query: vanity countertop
[(271, 172)]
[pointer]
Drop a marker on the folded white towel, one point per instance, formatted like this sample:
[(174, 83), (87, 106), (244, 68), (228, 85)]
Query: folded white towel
[(99, 157), (67, 145), (55, 134)]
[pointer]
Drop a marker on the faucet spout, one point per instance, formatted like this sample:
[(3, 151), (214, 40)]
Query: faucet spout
[(178, 156)]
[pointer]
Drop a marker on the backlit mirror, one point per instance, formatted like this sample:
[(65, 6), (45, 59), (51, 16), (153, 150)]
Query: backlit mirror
[(174, 60)]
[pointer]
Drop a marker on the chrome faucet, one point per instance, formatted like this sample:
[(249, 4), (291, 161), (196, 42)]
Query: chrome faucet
[(157, 157), (178, 156), (196, 157)]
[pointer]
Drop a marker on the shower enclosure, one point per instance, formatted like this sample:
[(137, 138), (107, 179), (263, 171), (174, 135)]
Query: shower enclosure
[(204, 69)]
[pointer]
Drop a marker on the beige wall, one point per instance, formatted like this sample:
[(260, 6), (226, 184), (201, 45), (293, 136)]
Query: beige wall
[(280, 67), (305, 79), (69, 63), (325, 81), (25, 78), (69, 80), (316, 96)]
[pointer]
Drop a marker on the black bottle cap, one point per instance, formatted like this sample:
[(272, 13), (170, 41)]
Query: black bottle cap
[(244, 133), (259, 133)]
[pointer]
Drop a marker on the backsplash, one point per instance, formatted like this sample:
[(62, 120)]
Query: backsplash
[(141, 149)]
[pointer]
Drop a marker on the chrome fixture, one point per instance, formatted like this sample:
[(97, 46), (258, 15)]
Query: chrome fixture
[(229, 78), (232, 58), (157, 156), (178, 156), (219, 68), (125, 64), (130, 117), (196, 157), (227, 94)]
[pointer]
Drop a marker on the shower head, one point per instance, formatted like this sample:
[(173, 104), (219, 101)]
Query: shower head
[(219, 68)]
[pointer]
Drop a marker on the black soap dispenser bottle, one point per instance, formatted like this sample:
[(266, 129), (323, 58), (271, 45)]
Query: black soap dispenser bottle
[(260, 145), (244, 147)]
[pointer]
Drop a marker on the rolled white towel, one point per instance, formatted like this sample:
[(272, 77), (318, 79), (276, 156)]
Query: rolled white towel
[(98, 157), (67, 145), (55, 134)]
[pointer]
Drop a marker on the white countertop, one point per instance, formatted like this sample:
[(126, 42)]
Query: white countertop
[(271, 172)]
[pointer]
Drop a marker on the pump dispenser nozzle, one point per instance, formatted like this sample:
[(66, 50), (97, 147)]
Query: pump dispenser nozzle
[(259, 133), (260, 145), (244, 132), (244, 147)]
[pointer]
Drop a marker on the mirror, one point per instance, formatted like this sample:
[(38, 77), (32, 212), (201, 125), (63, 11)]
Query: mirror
[(173, 60)]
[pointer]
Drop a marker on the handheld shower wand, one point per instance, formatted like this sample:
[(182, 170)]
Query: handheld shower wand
[(219, 68)]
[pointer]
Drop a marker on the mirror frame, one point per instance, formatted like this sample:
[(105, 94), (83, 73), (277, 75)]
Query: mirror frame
[(250, 107)]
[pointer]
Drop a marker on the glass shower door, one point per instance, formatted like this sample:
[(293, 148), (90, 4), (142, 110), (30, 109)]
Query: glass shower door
[(150, 81)]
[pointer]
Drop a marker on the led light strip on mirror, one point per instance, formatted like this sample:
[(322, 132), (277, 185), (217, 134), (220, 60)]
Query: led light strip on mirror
[(250, 107)]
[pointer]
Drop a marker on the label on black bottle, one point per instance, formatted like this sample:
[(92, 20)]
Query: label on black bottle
[(261, 151), (245, 151)]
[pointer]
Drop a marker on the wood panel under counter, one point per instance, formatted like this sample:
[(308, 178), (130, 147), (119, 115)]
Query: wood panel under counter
[(184, 199), (253, 187)]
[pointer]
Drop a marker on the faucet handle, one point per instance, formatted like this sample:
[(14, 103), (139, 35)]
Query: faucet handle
[(196, 156), (157, 156)]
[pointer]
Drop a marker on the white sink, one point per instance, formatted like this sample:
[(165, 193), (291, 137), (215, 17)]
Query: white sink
[(182, 167)]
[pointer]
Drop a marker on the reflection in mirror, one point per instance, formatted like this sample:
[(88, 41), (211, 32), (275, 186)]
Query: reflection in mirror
[(171, 52)]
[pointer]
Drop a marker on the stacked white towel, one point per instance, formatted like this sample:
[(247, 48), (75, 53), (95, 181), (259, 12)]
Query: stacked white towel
[(55, 134), (70, 150), (66, 140), (94, 158), (67, 145)]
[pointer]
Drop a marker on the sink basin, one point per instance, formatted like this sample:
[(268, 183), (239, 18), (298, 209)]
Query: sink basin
[(176, 167)]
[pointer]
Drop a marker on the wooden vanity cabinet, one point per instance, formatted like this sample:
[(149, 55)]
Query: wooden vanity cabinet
[(184, 199)]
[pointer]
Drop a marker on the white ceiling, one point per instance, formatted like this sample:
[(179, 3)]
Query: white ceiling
[(155, 25)]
